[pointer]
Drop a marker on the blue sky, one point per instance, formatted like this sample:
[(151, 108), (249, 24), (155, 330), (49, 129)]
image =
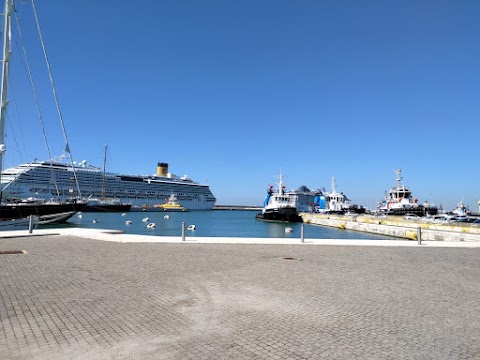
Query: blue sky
[(233, 92)]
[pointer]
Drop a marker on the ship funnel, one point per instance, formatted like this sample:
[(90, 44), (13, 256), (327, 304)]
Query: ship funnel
[(162, 169)]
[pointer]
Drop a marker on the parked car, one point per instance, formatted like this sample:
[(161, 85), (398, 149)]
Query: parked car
[(378, 215), (440, 219), (464, 219), (411, 217)]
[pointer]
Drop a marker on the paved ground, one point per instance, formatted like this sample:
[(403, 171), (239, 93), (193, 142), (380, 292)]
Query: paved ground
[(76, 298)]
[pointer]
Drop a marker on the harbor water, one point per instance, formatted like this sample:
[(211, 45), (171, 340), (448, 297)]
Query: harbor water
[(216, 223)]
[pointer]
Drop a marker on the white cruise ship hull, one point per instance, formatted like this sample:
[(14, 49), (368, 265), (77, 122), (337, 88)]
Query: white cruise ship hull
[(45, 180)]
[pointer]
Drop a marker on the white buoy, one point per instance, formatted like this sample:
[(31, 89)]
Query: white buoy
[(124, 214), (145, 219), (191, 227), (95, 221), (166, 217)]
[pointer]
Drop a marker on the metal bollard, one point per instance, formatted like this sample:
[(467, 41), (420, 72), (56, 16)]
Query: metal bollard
[(183, 230), (419, 236), (302, 239), (30, 224)]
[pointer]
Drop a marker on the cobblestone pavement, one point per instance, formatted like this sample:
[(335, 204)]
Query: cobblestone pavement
[(73, 298)]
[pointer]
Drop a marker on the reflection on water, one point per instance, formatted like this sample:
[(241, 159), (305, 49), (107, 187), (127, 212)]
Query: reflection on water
[(217, 223)]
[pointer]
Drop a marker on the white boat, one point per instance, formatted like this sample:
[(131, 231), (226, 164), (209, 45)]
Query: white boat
[(279, 205), (335, 202), (461, 209), (400, 201), (332, 202)]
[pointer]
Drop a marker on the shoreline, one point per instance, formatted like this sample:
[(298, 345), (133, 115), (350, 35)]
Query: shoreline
[(118, 236)]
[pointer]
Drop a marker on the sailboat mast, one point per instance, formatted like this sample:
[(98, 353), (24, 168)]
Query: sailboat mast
[(7, 35), (104, 168)]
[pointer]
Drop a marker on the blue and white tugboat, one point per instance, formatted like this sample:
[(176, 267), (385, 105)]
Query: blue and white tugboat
[(279, 205)]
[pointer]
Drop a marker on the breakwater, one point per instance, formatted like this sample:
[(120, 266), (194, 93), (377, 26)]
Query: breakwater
[(397, 226)]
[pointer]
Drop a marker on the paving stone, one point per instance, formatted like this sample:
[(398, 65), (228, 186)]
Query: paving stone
[(77, 298)]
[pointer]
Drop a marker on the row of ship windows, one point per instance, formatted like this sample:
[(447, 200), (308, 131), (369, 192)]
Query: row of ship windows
[(145, 188), (95, 182), (42, 174), (108, 194), (115, 193)]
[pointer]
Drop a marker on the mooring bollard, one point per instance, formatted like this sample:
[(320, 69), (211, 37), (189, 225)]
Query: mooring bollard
[(30, 224), (183, 230), (302, 239), (419, 235)]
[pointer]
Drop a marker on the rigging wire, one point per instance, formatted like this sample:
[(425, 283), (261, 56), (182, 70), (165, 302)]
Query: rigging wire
[(67, 147), (37, 104)]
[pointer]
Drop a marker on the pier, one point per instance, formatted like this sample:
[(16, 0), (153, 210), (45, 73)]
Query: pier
[(398, 227), (236, 207)]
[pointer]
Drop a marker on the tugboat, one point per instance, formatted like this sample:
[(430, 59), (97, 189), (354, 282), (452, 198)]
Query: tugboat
[(279, 205), (400, 201), (461, 210), (172, 205), (335, 202)]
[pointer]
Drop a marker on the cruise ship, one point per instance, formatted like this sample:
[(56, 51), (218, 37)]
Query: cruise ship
[(47, 180)]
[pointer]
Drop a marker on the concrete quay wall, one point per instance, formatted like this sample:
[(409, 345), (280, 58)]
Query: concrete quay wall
[(397, 226)]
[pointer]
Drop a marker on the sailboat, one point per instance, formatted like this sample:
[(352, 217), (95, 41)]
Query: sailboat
[(106, 204), (17, 210)]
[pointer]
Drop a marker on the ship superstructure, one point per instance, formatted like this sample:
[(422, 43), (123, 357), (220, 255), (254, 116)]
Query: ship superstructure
[(303, 198), (47, 180), (400, 201)]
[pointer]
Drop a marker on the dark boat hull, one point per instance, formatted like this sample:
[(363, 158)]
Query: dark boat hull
[(157, 209), (286, 214), (419, 210), (107, 208), (17, 211)]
